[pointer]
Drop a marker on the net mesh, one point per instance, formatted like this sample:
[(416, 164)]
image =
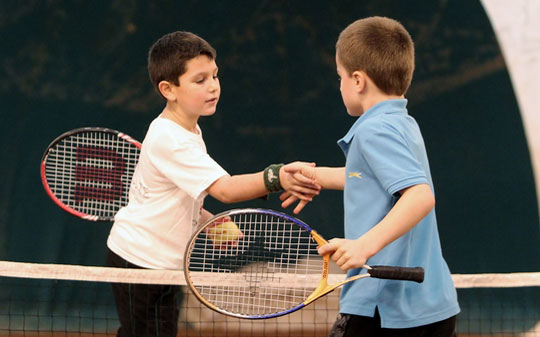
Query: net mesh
[(66, 300)]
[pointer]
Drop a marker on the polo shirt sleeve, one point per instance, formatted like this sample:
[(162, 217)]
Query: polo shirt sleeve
[(391, 159), (187, 165)]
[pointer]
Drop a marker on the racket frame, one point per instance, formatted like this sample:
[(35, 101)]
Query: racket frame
[(50, 149), (385, 272), (203, 227)]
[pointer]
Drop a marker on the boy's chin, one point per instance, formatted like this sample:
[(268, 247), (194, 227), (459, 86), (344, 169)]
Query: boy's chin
[(208, 113), (355, 112)]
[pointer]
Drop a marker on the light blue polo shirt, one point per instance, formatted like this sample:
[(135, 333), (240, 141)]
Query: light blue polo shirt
[(385, 153)]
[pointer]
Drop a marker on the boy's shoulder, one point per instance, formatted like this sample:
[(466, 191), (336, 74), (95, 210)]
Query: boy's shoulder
[(166, 134), (386, 125), (377, 122)]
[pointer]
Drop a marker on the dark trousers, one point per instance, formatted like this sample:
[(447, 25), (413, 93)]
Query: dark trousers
[(145, 310), (358, 326)]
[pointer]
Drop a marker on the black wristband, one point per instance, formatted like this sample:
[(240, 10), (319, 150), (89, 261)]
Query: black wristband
[(271, 178)]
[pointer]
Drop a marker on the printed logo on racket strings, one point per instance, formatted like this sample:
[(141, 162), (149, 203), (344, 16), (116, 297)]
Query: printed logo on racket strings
[(254, 253), (97, 182)]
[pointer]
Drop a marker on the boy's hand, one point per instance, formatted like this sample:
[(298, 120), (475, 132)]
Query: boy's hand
[(298, 180), (293, 181), (288, 199), (347, 254), (302, 171)]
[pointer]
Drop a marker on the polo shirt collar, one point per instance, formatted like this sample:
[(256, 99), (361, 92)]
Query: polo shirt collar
[(384, 107)]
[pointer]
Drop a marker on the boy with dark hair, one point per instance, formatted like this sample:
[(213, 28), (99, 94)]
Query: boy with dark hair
[(173, 176), (388, 193)]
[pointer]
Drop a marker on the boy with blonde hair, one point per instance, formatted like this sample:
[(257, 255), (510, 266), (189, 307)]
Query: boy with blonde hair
[(388, 193), (173, 176)]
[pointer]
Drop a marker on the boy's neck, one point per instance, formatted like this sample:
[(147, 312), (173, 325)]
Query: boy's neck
[(190, 124), (372, 95), (378, 98)]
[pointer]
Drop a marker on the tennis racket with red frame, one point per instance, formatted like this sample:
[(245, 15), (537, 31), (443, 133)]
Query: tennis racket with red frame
[(87, 171), (272, 268)]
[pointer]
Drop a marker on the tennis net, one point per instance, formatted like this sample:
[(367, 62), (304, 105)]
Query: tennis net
[(69, 300)]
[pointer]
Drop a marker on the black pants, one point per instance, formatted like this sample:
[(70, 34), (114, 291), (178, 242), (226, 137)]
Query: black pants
[(145, 310), (359, 326)]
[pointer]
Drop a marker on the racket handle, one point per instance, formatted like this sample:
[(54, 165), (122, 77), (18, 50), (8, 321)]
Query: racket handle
[(415, 274)]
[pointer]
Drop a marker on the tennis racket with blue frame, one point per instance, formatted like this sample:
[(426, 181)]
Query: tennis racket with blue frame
[(264, 264)]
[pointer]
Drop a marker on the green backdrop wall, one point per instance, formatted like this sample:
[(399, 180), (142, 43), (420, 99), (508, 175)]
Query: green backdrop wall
[(65, 65)]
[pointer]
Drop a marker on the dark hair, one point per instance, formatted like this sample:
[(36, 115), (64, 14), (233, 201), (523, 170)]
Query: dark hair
[(382, 48), (168, 56)]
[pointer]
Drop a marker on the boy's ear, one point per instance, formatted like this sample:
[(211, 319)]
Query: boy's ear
[(165, 88), (359, 78)]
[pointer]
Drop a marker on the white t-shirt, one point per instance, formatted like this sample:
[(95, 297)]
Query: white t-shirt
[(165, 197)]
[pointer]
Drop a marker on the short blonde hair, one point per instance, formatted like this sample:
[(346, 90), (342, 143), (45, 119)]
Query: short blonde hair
[(382, 48)]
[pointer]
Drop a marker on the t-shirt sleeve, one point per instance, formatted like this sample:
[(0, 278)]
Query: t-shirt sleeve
[(187, 165), (391, 159)]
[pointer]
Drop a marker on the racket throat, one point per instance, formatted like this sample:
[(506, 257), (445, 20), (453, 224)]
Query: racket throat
[(323, 288)]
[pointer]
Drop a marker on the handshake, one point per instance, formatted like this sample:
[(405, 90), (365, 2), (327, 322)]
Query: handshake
[(299, 182)]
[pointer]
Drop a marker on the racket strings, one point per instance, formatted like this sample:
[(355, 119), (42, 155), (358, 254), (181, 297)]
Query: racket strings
[(91, 172), (272, 268)]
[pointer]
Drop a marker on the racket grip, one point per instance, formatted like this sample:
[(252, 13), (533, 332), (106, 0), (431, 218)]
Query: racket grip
[(415, 274)]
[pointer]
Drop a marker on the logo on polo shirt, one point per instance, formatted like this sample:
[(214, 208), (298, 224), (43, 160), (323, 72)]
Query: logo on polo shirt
[(355, 175)]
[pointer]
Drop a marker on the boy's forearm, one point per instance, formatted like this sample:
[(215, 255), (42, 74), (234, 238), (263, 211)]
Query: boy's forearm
[(242, 187), (330, 178), (414, 204)]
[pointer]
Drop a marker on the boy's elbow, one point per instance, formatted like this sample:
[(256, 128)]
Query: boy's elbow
[(423, 197), (429, 200), (225, 198), (221, 191), (432, 202), (222, 195)]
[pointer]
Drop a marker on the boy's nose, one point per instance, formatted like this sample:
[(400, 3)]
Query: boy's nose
[(214, 86)]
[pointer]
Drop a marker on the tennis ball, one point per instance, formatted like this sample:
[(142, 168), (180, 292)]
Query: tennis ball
[(224, 234)]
